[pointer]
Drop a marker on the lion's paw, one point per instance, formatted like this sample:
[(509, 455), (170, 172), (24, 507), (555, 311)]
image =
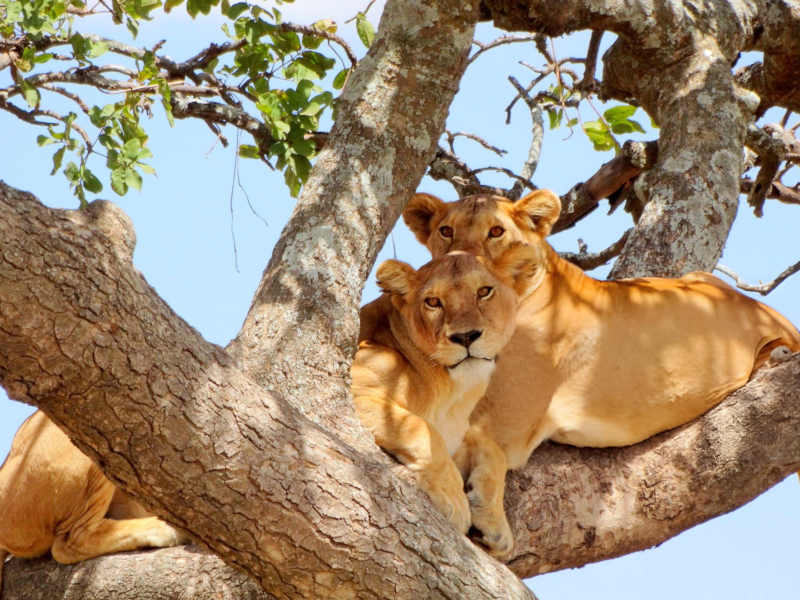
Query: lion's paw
[(491, 530), (447, 493)]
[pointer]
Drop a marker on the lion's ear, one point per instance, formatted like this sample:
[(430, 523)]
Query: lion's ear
[(538, 210), (396, 277), (420, 213), (521, 264)]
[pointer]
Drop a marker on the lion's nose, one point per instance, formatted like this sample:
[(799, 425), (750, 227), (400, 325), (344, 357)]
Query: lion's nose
[(466, 338)]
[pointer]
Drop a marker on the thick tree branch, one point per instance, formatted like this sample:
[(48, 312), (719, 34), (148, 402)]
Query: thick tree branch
[(174, 421), (569, 506), (584, 197), (390, 117), (168, 574)]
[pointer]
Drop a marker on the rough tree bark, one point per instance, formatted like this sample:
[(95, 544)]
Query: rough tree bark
[(176, 422), (191, 428)]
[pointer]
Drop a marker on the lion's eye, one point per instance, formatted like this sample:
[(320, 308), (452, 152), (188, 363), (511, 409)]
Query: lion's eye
[(446, 231), (496, 231), (485, 292), (433, 302)]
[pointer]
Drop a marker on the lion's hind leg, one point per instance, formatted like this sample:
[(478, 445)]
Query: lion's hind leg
[(89, 533), (415, 443), (106, 536)]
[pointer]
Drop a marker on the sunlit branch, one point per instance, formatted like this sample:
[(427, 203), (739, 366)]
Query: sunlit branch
[(535, 148), (762, 288)]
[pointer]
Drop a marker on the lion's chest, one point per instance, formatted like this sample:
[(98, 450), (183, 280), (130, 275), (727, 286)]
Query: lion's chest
[(468, 384)]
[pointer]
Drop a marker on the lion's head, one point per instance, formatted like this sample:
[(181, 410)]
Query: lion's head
[(459, 308), (484, 225)]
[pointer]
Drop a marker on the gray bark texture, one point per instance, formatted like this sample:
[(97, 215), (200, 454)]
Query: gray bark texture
[(255, 449)]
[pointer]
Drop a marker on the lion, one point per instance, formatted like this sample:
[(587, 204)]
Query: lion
[(427, 349), (54, 498), (591, 363)]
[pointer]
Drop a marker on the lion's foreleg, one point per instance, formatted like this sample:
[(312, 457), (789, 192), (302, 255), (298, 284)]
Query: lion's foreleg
[(486, 465), (416, 444)]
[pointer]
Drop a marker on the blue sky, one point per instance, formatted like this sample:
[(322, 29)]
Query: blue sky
[(187, 217)]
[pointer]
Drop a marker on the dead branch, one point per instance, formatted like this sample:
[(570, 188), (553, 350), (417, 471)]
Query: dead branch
[(588, 261), (501, 41), (537, 135), (761, 288), (475, 138)]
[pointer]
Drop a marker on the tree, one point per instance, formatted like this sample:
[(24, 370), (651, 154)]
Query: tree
[(195, 428)]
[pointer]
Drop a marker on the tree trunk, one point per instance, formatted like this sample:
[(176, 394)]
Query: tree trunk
[(176, 423)]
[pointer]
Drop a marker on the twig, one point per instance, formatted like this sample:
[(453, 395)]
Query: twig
[(764, 288), (452, 136), (587, 261), (589, 83), (446, 166), (67, 94), (535, 148), (508, 172), (501, 41), (309, 30)]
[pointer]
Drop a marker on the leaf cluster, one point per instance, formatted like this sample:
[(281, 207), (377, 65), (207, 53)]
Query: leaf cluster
[(272, 79)]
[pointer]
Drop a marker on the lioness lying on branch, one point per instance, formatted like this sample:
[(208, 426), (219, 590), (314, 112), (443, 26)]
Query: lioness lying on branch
[(53, 498), (427, 349), (591, 363)]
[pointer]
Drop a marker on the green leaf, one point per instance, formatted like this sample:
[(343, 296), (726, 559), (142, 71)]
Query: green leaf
[(133, 179), (97, 49), (554, 117), (248, 151), (132, 148), (91, 183), (118, 181), (312, 42), (599, 135), (235, 10), (132, 26), (72, 172), (302, 167), (57, 158), (366, 33), (340, 79), (43, 140), (619, 113), (304, 147), (30, 93)]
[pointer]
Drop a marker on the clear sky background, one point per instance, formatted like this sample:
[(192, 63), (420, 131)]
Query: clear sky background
[(188, 217)]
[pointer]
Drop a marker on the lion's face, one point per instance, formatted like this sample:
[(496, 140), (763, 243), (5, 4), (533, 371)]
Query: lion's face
[(459, 308), (483, 225)]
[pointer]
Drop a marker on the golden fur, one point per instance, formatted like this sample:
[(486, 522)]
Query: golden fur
[(54, 498), (592, 363), (425, 356)]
